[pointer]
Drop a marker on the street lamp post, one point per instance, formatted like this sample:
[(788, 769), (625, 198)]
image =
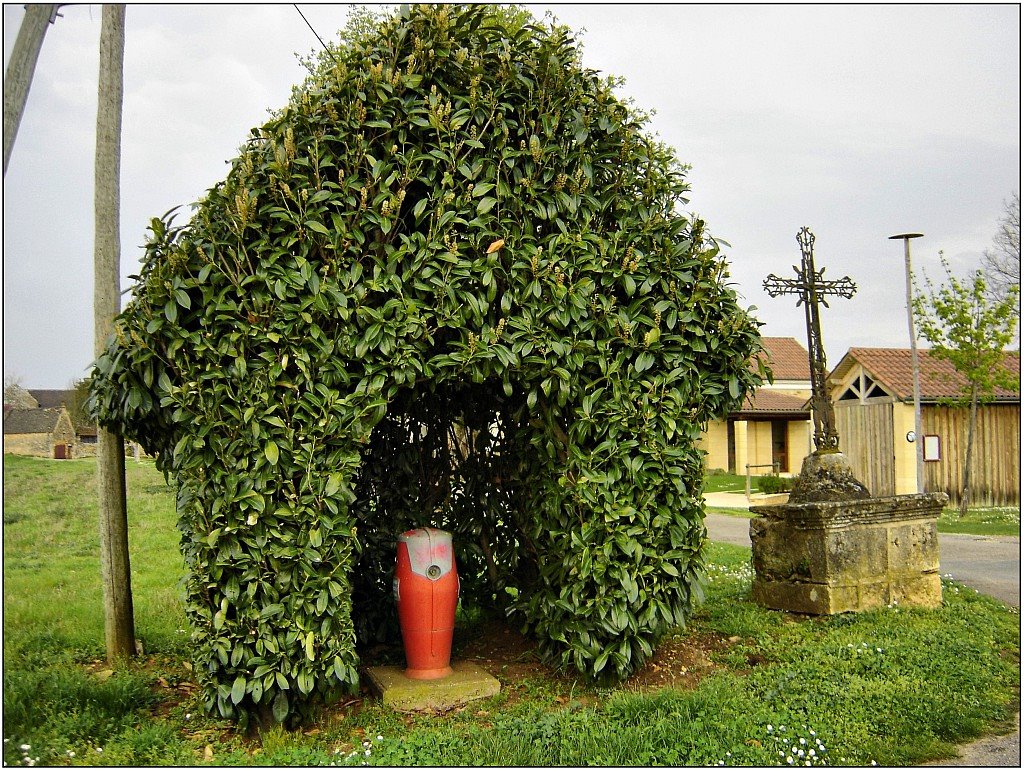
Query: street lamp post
[(918, 438)]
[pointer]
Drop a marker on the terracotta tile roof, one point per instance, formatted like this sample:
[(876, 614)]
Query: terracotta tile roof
[(31, 420), (787, 358), (766, 401), (891, 367)]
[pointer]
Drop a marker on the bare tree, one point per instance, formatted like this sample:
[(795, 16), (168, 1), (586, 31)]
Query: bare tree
[(1001, 263)]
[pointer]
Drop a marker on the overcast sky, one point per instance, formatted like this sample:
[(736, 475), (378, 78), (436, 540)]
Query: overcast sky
[(857, 121)]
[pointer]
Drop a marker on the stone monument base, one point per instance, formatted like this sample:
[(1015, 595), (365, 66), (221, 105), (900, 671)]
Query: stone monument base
[(827, 557)]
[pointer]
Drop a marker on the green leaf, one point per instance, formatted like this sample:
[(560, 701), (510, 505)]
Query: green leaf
[(271, 610), (272, 452), (308, 644), (238, 690), (280, 707), (340, 670), (317, 227), (333, 484)]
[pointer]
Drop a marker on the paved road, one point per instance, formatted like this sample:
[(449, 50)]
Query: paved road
[(990, 564)]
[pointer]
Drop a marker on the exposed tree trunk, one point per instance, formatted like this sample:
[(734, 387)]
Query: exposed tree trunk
[(965, 494), (119, 622), (20, 68)]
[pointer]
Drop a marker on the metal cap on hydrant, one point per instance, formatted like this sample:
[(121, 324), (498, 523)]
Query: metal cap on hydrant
[(427, 591)]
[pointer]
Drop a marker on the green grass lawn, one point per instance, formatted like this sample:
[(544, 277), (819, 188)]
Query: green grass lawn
[(895, 686), (981, 521), (728, 482)]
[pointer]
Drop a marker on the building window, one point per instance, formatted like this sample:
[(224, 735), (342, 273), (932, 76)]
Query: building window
[(87, 439)]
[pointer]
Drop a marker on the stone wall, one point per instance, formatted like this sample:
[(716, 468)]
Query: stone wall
[(32, 444), (64, 433)]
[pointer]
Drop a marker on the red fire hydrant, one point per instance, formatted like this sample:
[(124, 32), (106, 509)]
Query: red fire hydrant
[(427, 590)]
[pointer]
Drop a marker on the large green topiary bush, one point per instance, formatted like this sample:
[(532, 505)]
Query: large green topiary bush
[(447, 284)]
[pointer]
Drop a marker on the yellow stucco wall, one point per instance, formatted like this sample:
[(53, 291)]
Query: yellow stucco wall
[(904, 457), (754, 445), (800, 444), (759, 447), (715, 441)]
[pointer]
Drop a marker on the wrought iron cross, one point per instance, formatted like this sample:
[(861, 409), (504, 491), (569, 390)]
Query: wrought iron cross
[(811, 289)]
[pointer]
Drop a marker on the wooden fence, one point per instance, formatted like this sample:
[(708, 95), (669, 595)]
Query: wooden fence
[(995, 464)]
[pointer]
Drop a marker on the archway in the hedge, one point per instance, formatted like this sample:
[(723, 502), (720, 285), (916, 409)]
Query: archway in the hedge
[(449, 461)]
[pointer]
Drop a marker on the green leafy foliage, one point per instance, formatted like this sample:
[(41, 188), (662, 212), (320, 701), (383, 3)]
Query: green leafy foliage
[(969, 327), (447, 284), (966, 327)]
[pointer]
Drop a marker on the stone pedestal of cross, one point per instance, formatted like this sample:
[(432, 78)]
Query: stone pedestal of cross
[(811, 289)]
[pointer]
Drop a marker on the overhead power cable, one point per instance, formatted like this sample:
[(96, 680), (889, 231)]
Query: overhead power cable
[(331, 53)]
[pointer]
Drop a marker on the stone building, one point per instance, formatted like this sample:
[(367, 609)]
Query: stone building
[(773, 425), (40, 433), (34, 424)]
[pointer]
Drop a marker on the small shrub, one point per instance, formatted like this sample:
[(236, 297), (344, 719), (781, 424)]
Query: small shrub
[(773, 485)]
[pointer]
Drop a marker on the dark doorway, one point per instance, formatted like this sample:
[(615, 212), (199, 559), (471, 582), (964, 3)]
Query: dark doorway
[(780, 445), (730, 431), (60, 451)]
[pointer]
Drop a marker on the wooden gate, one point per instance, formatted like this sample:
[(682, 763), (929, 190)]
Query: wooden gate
[(865, 437)]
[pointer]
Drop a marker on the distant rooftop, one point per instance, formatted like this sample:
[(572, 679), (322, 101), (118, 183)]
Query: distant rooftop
[(765, 402), (787, 358), (52, 399), (30, 420)]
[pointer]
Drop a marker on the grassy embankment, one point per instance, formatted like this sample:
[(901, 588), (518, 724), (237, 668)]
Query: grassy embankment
[(897, 686)]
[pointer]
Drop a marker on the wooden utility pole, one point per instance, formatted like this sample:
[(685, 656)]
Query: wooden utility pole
[(20, 69), (119, 620)]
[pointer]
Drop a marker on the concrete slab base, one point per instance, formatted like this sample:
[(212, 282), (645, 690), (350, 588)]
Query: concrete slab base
[(467, 682)]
